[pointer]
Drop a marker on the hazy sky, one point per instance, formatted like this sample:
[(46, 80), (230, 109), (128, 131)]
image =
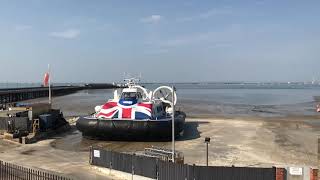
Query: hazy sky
[(99, 40)]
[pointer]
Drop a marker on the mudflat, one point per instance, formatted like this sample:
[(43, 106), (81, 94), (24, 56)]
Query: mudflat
[(239, 142)]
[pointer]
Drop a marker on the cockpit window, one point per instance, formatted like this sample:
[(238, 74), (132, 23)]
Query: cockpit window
[(131, 95)]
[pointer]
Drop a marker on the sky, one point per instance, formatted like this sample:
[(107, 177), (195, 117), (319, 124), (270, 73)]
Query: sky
[(165, 41)]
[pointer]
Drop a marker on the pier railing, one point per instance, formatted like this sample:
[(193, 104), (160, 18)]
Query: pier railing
[(11, 95), (162, 170), (10, 171)]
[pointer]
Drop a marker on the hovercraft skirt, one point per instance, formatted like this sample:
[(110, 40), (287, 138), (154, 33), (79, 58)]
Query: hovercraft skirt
[(123, 129)]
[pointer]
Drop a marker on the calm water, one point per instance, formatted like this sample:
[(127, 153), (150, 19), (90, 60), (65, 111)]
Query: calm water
[(250, 94), (265, 100), (232, 99)]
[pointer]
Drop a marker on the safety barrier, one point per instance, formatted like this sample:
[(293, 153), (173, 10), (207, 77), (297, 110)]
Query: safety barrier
[(162, 170)]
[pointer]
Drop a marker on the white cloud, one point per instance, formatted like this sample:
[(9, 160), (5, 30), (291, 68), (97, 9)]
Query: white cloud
[(22, 27), (151, 19), (67, 34)]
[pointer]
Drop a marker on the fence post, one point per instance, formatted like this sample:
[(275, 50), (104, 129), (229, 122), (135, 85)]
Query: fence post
[(18, 172), (193, 171), (280, 174), (31, 174), (90, 157), (232, 168), (186, 171), (12, 171), (9, 170), (110, 167), (132, 170), (6, 170), (157, 169), (15, 171), (313, 174)]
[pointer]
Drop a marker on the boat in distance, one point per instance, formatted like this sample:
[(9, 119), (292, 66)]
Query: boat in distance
[(135, 114)]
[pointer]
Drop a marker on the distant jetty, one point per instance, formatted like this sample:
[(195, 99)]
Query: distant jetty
[(11, 95), (100, 86)]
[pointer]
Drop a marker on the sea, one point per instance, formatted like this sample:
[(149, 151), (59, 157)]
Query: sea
[(247, 99), (228, 99), (268, 101)]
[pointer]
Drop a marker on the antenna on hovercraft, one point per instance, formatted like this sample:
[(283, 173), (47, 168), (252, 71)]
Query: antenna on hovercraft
[(130, 82)]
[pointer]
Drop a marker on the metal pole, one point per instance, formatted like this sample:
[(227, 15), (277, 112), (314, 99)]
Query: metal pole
[(173, 133), (132, 171), (49, 83), (207, 154)]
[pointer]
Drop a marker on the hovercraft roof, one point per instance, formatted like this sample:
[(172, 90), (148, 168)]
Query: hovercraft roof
[(130, 90)]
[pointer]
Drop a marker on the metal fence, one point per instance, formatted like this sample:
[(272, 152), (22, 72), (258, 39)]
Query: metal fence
[(21, 123), (157, 169), (3, 123), (10, 171), (169, 171), (138, 165)]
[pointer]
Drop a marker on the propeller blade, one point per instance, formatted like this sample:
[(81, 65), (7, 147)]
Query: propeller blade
[(162, 93)]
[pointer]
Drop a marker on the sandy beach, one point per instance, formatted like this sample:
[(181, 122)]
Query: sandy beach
[(239, 141)]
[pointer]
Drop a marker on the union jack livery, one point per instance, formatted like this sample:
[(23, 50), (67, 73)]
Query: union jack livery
[(135, 113), (126, 110)]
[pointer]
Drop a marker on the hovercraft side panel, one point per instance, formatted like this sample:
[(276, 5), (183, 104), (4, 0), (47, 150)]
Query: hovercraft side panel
[(122, 129)]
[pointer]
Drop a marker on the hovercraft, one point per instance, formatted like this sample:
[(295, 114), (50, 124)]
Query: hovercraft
[(135, 114)]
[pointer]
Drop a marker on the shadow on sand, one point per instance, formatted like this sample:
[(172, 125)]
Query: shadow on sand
[(191, 131)]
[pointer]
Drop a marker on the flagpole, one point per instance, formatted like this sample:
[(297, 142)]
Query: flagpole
[(49, 84)]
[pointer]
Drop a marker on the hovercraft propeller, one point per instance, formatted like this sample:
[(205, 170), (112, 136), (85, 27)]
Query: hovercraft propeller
[(164, 93)]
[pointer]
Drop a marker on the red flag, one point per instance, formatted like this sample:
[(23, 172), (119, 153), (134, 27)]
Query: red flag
[(46, 80)]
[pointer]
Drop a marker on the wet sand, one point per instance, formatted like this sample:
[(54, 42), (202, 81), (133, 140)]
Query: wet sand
[(83, 103), (237, 140), (234, 142)]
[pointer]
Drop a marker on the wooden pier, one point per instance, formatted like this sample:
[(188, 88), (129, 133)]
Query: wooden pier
[(21, 94)]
